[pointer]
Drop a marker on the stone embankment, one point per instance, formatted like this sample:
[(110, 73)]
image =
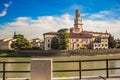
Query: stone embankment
[(87, 52)]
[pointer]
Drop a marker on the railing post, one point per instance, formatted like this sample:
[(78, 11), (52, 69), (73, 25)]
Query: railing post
[(107, 69), (80, 69), (3, 70)]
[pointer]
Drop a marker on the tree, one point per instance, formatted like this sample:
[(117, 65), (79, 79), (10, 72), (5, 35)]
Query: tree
[(111, 41), (55, 43), (20, 42), (61, 41), (63, 30)]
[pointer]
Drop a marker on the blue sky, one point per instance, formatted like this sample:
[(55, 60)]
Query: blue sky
[(34, 17)]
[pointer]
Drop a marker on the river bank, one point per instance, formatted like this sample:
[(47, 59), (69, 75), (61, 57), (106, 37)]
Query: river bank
[(86, 52)]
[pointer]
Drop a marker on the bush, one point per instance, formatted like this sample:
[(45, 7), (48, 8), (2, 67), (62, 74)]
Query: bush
[(83, 47), (33, 48), (12, 55)]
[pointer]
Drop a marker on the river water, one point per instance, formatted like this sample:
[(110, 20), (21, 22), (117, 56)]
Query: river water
[(63, 66)]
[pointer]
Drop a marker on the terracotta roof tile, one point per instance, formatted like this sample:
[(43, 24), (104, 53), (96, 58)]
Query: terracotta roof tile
[(50, 33)]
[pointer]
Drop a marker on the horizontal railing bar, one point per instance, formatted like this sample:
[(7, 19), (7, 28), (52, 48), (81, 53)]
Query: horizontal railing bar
[(99, 60), (114, 59), (85, 70), (85, 60), (14, 62), (65, 70), (15, 71)]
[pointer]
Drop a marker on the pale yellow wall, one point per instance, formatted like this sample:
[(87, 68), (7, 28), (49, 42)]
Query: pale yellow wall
[(102, 45), (5, 45), (76, 43)]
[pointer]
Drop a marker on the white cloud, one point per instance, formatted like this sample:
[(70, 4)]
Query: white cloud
[(100, 15), (4, 12), (102, 26), (76, 6), (96, 16), (34, 28)]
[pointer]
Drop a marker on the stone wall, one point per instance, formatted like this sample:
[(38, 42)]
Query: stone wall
[(68, 52)]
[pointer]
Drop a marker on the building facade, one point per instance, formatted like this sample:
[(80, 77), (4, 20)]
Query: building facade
[(117, 43), (5, 44), (79, 38), (36, 42)]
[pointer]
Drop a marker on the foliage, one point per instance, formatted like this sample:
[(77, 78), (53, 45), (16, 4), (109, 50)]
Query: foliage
[(20, 42), (55, 43), (61, 41), (13, 54), (83, 47), (63, 30), (31, 48), (111, 41)]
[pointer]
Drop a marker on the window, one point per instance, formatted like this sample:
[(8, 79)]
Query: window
[(102, 44), (77, 39), (95, 44), (48, 40), (48, 45), (105, 44), (98, 44), (77, 45)]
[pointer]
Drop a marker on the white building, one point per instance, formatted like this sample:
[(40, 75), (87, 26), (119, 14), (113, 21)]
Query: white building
[(5, 44), (117, 43), (79, 38), (36, 42)]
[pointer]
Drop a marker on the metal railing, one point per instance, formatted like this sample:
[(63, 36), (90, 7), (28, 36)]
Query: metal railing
[(4, 71), (80, 70)]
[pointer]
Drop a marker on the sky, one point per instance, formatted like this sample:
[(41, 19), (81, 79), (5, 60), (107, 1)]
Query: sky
[(33, 18)]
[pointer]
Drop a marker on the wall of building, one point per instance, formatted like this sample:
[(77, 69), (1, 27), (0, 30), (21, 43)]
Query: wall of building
[(101, 45), (47, 41), (5, 45), (76, 43)]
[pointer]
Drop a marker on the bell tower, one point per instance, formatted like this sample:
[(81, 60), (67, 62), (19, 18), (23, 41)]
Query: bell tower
[(77, 23)]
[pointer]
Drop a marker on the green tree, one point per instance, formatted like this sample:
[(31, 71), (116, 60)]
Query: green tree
[(111, 41), (55, 43), (61, 41), (20, 42), (63, 30)]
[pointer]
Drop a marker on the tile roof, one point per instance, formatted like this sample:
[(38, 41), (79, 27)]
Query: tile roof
[(84, 34), (51, 33)]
